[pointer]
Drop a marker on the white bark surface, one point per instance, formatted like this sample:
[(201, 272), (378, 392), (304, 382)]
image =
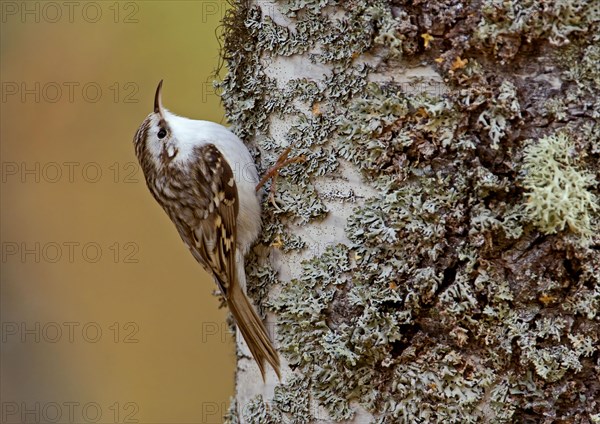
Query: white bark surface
[(344, 195)]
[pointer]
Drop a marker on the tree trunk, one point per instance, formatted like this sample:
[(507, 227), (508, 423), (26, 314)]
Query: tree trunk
[(435, 255)]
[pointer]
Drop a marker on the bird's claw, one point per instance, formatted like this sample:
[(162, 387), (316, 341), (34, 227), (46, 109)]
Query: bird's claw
[(273, 172)]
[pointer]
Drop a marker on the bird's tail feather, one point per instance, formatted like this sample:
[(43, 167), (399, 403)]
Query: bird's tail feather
[(253, 330)]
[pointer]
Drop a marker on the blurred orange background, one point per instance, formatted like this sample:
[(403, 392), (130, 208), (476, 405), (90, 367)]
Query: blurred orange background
[(106, 317)]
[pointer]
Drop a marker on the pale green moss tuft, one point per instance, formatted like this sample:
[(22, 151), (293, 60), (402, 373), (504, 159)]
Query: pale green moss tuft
[(557, 191)]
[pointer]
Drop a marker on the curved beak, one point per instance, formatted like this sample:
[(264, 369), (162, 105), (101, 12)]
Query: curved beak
[(158, 107)]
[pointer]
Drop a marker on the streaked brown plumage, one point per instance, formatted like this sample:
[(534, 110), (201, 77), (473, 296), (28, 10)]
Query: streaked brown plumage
[(192, 169)]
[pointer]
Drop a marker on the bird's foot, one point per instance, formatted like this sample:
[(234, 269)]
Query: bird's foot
[(273, 172)]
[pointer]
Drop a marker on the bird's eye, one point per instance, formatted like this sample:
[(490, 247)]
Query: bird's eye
[(162, 133)]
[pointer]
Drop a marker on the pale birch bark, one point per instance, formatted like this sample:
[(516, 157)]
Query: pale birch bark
[(554, 347)]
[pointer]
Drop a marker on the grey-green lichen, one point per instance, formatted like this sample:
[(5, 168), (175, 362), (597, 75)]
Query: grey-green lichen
[(257, 411), (557, 21), (461, 297), (504, 107), (231, 416)]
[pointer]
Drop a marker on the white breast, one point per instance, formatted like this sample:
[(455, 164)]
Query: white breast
[(188, 134)]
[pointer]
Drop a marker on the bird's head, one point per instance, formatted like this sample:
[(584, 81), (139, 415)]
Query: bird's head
[(159, 138), (154, 134)]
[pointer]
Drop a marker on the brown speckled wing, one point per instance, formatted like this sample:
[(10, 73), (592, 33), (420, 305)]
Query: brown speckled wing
[(215, 238)]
